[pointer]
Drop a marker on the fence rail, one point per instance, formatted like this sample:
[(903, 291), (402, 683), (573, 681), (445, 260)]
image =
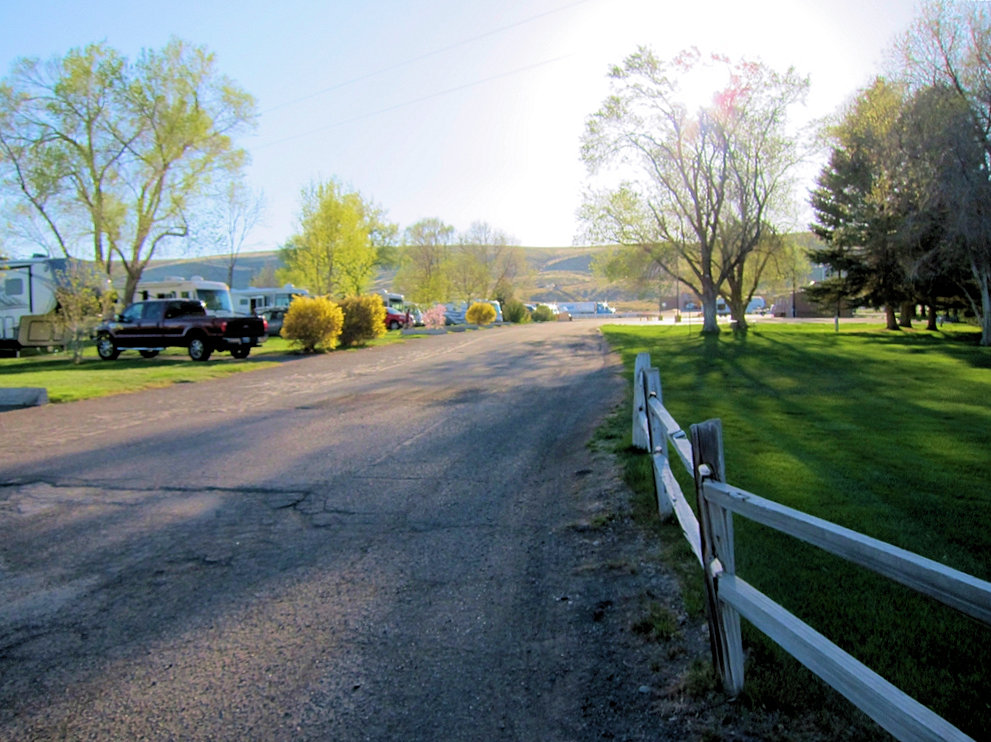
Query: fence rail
[(728, 597)]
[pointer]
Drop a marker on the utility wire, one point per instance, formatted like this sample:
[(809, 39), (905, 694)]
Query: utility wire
[(425, 55), (413, 101)]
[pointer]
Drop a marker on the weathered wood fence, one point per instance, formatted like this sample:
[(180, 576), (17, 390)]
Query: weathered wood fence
[(728, 597)]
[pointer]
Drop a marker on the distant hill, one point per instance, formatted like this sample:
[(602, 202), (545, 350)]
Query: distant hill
[(558, 273)]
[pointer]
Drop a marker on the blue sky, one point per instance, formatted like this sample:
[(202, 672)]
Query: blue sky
[(464, 111)]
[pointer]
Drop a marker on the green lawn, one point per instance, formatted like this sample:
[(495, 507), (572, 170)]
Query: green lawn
[(67, 382), (884, 433)]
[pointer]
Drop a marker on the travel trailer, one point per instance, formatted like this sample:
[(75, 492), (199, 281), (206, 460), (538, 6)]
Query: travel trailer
[(577, 308), (254, 300), (214, 294), (28, 303)]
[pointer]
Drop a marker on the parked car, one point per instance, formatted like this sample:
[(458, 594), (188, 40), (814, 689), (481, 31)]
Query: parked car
[(395, 319), (274, 316)]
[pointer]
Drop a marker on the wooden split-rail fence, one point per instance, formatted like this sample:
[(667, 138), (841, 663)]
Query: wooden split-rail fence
[(728, 596)]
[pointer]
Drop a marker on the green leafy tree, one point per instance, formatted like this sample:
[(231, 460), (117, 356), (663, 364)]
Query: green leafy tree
[(949, 47), (858, 210), (709, 183), (425, 255), (486, 263), (96, 149), (84, 298), (334, 251)]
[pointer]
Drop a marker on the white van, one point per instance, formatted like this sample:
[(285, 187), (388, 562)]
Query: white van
[(214, 294)]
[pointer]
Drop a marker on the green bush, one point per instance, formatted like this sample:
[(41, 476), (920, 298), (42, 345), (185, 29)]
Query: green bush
[(313, 322), (364, 319), (543, 313), (516, 312), (480, 313)]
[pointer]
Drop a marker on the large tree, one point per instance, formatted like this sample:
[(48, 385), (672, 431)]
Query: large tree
[(99, 150), (424, 258), (949, 48), (706, 184), (334, 252), (234, 211), (858, 208), (486, 263)]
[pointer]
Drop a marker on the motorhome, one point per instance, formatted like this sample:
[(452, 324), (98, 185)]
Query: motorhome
[(254, 300), (214, 294), (390, 299), (28, 303)]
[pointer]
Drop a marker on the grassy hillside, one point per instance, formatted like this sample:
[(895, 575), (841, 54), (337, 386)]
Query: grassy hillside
[(558, 273)]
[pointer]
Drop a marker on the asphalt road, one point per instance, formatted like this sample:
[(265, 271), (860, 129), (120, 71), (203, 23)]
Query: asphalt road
[(389, 544)]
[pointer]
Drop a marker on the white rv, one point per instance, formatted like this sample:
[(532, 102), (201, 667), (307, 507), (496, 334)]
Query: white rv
[(390, 299), (214, 294), (254, 300), (28, 303)]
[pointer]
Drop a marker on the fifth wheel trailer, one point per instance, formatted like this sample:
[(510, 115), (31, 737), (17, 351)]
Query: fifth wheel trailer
[(28, 303)]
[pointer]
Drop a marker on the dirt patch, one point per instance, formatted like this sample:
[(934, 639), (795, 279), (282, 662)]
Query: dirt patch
[(656, 680)]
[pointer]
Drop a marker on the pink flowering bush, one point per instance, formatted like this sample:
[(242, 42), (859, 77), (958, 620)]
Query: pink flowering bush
[(433, 318)]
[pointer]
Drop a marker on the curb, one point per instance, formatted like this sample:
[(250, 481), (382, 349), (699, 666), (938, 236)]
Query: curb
[(12, 398)]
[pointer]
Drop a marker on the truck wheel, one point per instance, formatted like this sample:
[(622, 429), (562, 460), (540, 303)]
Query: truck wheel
[(148, 353), (241, 352), (107, 348), (199, 348)]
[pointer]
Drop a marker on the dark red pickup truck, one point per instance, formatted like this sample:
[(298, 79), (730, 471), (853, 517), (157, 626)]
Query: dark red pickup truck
[(156, 324)]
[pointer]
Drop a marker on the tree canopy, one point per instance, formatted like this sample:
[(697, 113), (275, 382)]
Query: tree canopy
[(904, 204), (100, 150), (437, 264), (334, 253), (702, 188), (948, 50)]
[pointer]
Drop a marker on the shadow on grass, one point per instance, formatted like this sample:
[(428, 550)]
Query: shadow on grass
[(882, 432)]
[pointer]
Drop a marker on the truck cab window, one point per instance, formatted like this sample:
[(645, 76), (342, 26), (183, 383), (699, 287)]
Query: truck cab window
[(133, 313)]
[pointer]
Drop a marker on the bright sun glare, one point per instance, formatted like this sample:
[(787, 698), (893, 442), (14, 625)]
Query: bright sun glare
[(698, 87)]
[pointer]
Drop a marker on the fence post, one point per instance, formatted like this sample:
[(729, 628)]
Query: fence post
[(658, 441), (716, 529), (641, 435)]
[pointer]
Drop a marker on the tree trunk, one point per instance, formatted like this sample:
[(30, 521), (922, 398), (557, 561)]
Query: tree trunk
[(889, 315), (738, 311), (931, 324), (709, 323), (906, 313), (986, 309), (129, 288)]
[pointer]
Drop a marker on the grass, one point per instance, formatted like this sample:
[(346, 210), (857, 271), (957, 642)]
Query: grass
[(885, 433), (68, 382), (658, 623)]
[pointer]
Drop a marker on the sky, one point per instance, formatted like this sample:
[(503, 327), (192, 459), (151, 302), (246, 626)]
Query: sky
[(461, 111)]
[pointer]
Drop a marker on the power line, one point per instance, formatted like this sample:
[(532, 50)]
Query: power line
[(425, 55), (413, 101)]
